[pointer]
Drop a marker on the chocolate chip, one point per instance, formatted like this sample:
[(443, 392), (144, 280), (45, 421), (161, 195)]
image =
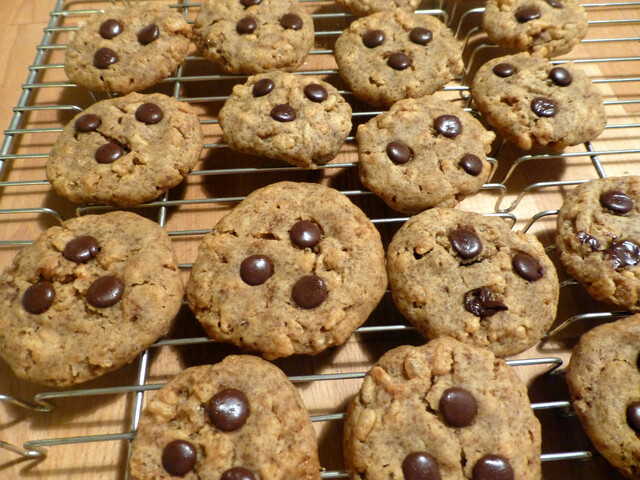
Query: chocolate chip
[(228, 409), (373, 38), (458, 407), (623, 253), (246, 25), (309, 292), (633, 416), (616, 201), (448, 125), (81, 249), (399, 152), (479, 302), (420, 35), (555, 3), (399, 61), (544, 107), (256, 269), (316, 93), (179, 457), (586, 239), (105, 291), (149, 113), (527, 13), (492, 467), (108, 153), (250, 3), (560, 76), (471, 164), (262, 87), (148, 34), (504, 70), (104, 57), (291, 21), (88, 123), (110, 28), (38, 297), (420, 466), (526, 266), (283, 113), (305, 234), (465, 242), (238, 473)]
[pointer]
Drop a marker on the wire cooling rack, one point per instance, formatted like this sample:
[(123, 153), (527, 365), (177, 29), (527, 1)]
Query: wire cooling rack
[(87, 431)]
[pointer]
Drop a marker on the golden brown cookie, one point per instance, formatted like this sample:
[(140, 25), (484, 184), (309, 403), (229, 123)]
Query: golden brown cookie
[(367, 7)]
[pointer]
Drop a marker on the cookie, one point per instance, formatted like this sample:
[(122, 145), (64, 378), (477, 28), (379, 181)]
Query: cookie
[(388, 56), (127, 48), (531, 102), (294, 268), (295, 118), (470, 277), (598, 239), (254, 36), (361, 8), (604, 382), (125, 151), (444, 410), (239, 419), (87, 297), (423, 153), (544, 27)]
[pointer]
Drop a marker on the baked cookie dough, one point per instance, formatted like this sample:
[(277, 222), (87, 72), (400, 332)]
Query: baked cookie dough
[(295, 118), (125, 151), (531, 102), (254, 36), (240, 419), (294, 268), (361, 8), (423, 153), (598, 239), (392, 55), (127, 48), (470, 277), (87, 297), (445, 410)]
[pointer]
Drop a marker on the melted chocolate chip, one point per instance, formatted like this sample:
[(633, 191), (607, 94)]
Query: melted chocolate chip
[(309, 292), (555, 3), (283, 113), (492, 467), (291, 21), (228, 409), (108, 153), (38, 298), (560, 76), (465, 242), (420, 466), (458, 407), (633, 416), (110, 28), (526, 266), (399, 152), (616, 201), (527, 13), (316, 93), (250, 3), (256, 269), (88, 123), (373, 38), (471, 164), (148, 34), (246, 25), (586, 239), (399, 61), (262, 87), (623, 253), (179, 457), (104, 57), (105, 291), (448, 125), (81, 249), (238, 473), (504, 70), (544, 107), (305, 234), (479, 302), (420, 35), (149, 113)]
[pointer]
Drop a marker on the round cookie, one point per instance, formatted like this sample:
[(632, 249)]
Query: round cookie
[(361, 8), (125, 151), (239, 419), (445, 410), (295, 118), (87, 297), (545, 27), (604, 382), (392, 55), (598, 239), (423, 153), (470, 277), (254, 36), (531, 102), (127, 48), (294, 268)]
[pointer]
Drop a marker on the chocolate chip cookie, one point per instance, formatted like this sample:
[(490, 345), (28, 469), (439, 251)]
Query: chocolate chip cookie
[(294, 268), (125, 151), (254, 36), (470, 277), (532, 102), (361, 8), (127, 48), (240, 419), (443, 410), (295, 118), (423, 153), (392, 55), (598, 239), (87, 297)]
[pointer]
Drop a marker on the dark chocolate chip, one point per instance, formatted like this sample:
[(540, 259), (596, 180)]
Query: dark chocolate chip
[(148, 34), (420, 466), (291, 21), (544, 107), (471, 164), (526, 266), (238, 473), (458, 407), (493, 467), (633, 416), (399, 152), (504, 70), (108, 153), (560, 76), (38, 297), (250, 3), (110, 28), (616, 201), (623, 253), (555, 3), (104, 57), (262, 87), (527, 13), (246, 25), (420, 35), (316, 93), (399, 61), (105, 291), (179, 457), (88, 123), (305, 234), (309, 292), (480, 302), (465, 242), (81, 249), (448, 125), (256, 269), (283, 113), (149, 113), (586, 239), (373, 38), (228, 409)]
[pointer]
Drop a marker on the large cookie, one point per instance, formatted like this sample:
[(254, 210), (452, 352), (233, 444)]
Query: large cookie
[(604, 381), (392, 55), (294, 268), (254, 36), (423, 153), (532, 102), (295, 118), (470, 277), (87, 297), (598, 239), (127, 48), (240, 419), (367, 7), (125, 151), (446, 411)]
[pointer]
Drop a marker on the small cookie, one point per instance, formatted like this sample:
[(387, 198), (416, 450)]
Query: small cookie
[(125, 151), (294, 268), (392, 55), (545, 27), (423, 153), (87, 297), (470, 277), (444, 410), (604, 382), (361, 8), (289, 117), (532, 102), (598, 239), (254, 36), (127, 48), (239, 419)]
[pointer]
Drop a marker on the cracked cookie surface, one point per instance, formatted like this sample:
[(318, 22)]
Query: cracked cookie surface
[(367, 7)]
